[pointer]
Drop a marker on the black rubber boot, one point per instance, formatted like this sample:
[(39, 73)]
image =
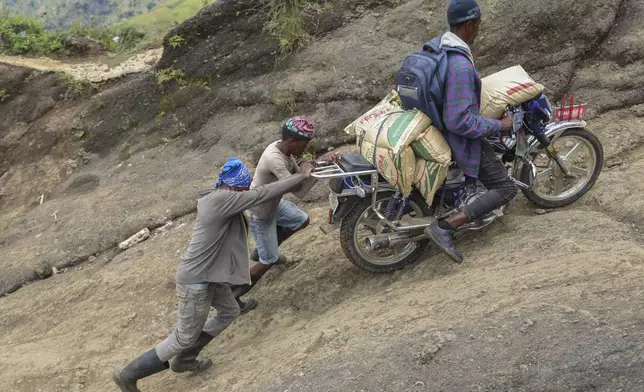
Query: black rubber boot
[(145, 365), (187, 361), (242, 289), (444, 238), (239, 290), (245, 307)]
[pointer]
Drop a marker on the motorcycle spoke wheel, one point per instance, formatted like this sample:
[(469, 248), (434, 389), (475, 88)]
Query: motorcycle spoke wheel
[(578, 158), (370, 220)]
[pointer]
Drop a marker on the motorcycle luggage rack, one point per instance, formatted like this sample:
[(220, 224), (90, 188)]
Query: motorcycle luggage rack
[(569, 111), (331, 171), (334, 170)]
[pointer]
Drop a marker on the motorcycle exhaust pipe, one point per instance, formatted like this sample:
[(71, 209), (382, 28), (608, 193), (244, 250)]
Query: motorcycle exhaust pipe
[(382, 241)]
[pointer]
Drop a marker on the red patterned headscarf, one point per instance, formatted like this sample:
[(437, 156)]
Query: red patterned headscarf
[(301, 127)]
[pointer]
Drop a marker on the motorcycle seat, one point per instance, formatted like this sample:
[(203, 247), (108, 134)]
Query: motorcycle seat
[(354, 163)]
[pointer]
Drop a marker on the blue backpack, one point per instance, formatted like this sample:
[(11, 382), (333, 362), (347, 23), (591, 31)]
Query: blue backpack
[(421, 80)]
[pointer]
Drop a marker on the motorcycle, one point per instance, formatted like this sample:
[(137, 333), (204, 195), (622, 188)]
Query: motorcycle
[(382, 232)]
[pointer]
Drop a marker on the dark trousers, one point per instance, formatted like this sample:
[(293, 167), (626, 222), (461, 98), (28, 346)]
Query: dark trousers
[(500, 187)]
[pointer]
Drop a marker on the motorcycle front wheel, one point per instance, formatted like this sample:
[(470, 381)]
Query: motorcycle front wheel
[(362, 222), (582, 155)]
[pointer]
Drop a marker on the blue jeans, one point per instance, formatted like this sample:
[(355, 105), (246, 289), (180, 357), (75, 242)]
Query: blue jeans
[(264, 232)]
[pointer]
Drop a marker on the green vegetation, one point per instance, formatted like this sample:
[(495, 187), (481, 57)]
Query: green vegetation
[(170, 74), (129, 20), (23, 35), (49, 25), (285, 102), (286, 22), (176, 41), (128, 37), (158, 21), (4, 95), (61, 14), (74, 86)]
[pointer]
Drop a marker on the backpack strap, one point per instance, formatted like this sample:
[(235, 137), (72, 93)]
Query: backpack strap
[(434, 45), (456, 50)]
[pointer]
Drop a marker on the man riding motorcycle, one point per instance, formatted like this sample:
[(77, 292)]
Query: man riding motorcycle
[(466, 130)]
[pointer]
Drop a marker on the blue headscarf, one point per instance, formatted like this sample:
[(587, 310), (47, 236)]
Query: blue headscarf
[(234, 174)]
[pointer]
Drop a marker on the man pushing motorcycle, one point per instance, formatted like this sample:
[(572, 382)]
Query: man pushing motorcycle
[(276, 220)]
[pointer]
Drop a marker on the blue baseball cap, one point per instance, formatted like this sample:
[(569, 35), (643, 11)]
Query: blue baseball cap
[(461, 11)]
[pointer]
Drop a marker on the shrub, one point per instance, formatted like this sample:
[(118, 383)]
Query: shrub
[(286, 22), (22, 35)]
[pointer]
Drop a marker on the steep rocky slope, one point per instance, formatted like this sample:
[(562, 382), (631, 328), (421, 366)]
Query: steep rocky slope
[(133, 153), (234, 94)]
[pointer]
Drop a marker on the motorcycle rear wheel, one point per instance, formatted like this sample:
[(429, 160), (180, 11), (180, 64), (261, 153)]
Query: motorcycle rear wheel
[(362, 215)]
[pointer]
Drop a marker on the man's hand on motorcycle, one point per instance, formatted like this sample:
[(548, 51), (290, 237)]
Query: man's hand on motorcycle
[(330, 157), (306, 169), (507, 123)]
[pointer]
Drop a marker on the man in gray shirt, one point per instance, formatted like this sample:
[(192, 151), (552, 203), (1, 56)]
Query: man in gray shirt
[(216, 258), (274, 221)]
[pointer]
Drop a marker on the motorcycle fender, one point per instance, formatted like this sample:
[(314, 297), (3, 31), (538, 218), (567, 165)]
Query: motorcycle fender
[(344, 206), (553, 131)]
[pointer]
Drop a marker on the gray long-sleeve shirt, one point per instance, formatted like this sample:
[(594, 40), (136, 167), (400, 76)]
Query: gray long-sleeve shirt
[(218, 249)]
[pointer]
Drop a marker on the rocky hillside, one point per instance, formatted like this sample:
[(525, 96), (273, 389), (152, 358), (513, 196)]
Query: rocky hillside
[(223, 90), (83, 167)]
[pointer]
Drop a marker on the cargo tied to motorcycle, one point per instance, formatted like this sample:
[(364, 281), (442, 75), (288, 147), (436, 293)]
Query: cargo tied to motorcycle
[(409, 151), (510, 87), (404, 140)]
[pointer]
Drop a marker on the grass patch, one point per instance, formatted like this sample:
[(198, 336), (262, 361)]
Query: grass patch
[(167, 75), (172, 74), (74, 86), (285, 102), (286, 22), (4, 95), (156, 23), (176, 41)]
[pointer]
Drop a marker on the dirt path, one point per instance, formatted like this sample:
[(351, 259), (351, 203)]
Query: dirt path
[(530, 310), (95, 71)]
